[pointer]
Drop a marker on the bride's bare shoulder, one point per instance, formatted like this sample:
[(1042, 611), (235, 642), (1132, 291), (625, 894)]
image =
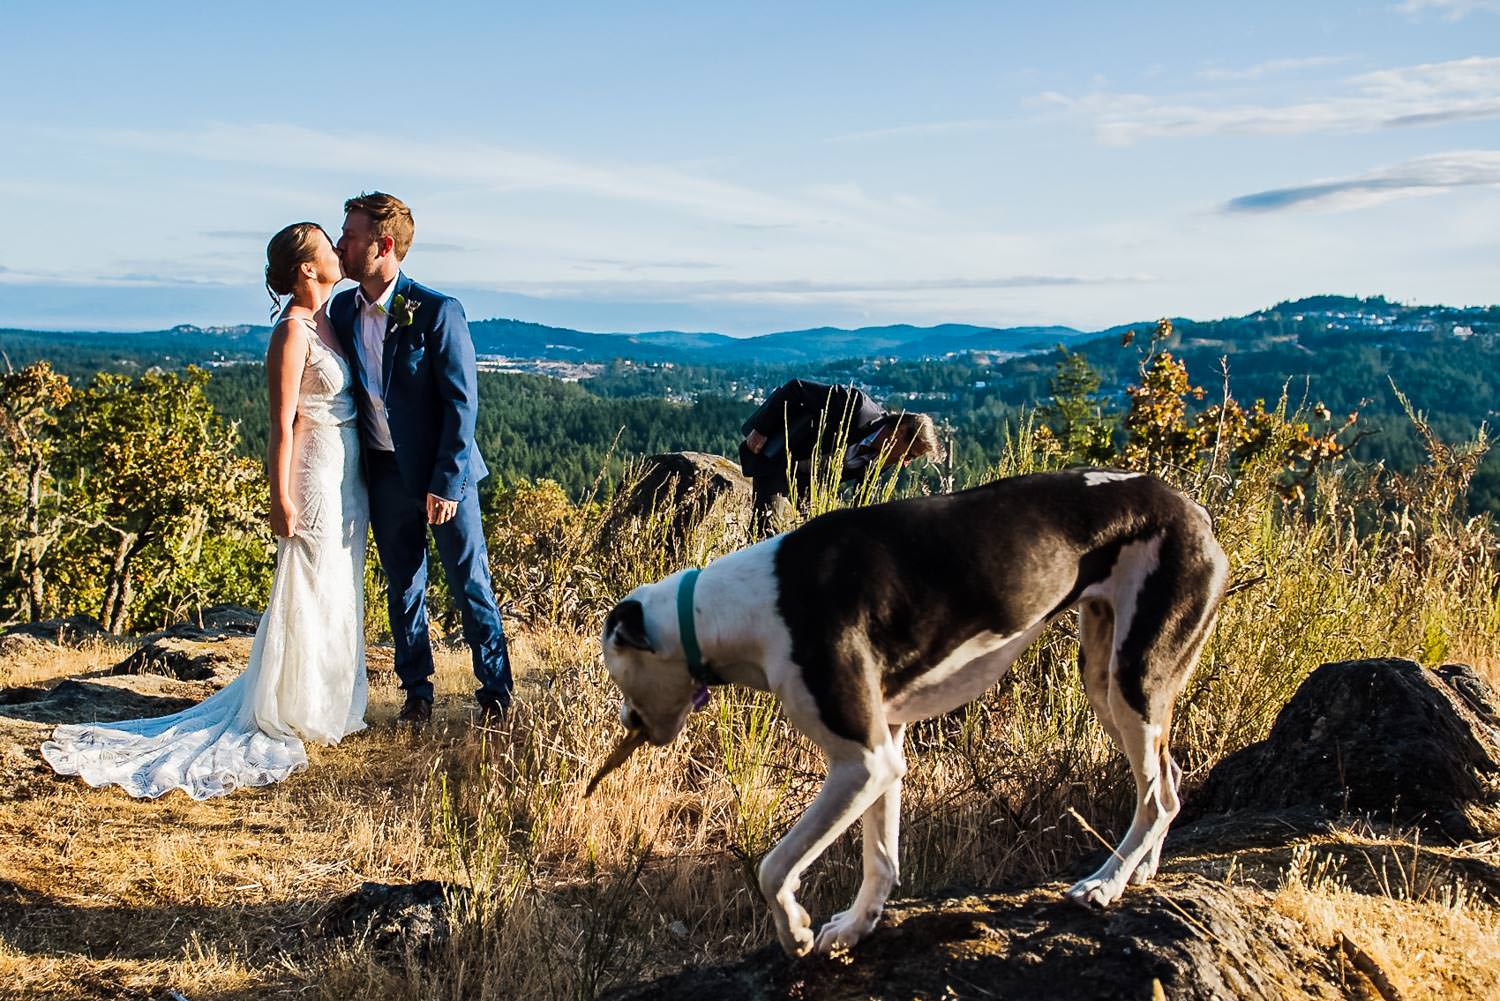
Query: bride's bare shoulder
[(288, 337)]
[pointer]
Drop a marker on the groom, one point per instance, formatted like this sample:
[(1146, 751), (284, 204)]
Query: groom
[(414, 362)]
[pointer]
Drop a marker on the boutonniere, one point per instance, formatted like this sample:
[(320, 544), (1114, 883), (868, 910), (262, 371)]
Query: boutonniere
[(404, 310)]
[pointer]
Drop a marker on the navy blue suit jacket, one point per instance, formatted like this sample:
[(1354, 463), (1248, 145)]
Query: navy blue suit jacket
[(430, 388)]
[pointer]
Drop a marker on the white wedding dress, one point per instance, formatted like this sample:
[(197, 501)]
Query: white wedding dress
[(306, 676)]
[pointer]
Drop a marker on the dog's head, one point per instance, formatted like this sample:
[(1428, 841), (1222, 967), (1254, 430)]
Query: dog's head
[(644, 657)]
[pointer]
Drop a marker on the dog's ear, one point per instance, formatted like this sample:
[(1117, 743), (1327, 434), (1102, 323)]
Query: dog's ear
[(626, 626)]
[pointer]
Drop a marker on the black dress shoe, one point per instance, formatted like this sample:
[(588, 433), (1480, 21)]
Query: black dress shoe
[(416, 711)]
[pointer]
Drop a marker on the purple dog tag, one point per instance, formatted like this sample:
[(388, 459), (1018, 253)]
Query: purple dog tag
[(700, 698)]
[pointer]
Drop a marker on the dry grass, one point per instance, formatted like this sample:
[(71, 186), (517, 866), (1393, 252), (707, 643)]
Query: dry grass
[(1429, 933), (208, 898), (102, 896), (120, 898), (29, 662), (574, 896)]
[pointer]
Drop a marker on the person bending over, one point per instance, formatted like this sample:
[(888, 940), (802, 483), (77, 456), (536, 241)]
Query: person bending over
[(803, 419)]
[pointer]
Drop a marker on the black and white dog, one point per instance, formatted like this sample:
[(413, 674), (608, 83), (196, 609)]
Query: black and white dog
[(865, 619)]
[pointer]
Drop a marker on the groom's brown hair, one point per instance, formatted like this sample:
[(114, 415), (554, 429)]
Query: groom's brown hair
[(390, 216)]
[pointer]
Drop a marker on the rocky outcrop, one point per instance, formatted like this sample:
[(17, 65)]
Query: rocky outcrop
[(214, 651), (697, 487), (80, 630), (1378, 738), (36, 639), (1195, 938), (232, 620), (75, 630), (1465, 682), (101, 700)]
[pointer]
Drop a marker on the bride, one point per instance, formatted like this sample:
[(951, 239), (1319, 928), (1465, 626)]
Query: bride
[(306, 674)]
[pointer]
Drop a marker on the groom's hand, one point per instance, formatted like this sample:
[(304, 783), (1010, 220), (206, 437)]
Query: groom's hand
[(440, 509)]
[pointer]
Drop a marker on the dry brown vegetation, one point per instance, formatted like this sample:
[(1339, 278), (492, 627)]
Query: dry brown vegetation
[(105, 897)]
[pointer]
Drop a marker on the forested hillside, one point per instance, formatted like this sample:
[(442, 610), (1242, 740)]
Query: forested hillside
[(1348, 354), (1342, 352), (531, 427), (124, 492)]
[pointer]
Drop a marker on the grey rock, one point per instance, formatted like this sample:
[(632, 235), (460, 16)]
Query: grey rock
[(395, 919), (99, 700), (1379, 738), (74, 630), (698, 487), (21, 646), (214, 651), (1473, 690), (236, 620), (1200, 939), (216, 660)]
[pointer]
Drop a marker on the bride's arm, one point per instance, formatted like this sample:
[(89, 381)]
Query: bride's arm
[(285, 358)]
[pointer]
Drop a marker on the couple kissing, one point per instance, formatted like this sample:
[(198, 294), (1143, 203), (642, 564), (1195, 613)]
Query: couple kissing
[(373, 401)]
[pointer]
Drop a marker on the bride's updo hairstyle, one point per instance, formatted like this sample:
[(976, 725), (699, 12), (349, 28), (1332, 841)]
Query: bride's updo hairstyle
[(288, 250)]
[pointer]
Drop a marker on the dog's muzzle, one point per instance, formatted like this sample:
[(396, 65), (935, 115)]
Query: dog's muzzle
[(629, 718)]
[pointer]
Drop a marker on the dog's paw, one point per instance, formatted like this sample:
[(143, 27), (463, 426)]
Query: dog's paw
[(794, 928), (846, 928), (1094, 892)]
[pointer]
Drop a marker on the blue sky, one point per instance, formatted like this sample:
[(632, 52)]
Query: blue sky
[(748, 168)]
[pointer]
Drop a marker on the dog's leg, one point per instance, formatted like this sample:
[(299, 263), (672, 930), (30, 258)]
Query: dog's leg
[(1096, 638), (1202, 606), (881, 826), (1142, 742), (1171, 771), (1096, 641), (1150, 663), (1171, 774), (857, 777)]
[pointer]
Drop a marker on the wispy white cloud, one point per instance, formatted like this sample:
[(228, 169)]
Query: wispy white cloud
[(1426, 175), (625, 264), (1270, 67), (795, 289), (920, 129), (1451, 10), (1425, 94), (496, 169), (131, 279)]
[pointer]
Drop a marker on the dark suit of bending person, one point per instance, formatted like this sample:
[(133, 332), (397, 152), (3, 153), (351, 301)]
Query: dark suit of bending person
[(791, 425)]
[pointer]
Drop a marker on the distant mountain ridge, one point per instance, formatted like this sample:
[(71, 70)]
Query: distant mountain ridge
[(519, 339), (1338, 316)]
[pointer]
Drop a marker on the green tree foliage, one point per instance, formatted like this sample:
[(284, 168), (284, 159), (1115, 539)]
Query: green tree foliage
[(128, 498), (1166, 437), (124, 495), (33, 515), (162, 475), (532, 428), (1075, 416)]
